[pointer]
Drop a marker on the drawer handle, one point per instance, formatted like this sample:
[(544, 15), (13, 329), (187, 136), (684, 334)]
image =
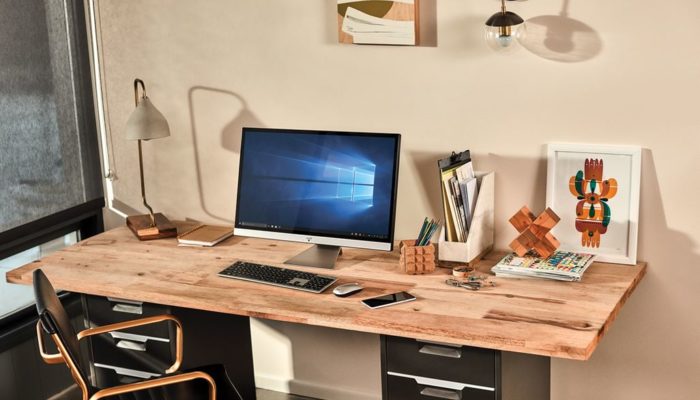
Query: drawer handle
[(128, 308), (441, 393), (131, 345), (136, 338), (128, 372), (441, 351)]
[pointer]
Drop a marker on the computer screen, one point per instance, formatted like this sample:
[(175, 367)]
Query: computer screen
[(332, 188)]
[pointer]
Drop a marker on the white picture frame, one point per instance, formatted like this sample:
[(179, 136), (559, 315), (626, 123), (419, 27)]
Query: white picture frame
[(593, 221)]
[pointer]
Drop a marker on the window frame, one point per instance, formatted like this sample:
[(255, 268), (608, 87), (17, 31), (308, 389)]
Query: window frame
[(85, 218)]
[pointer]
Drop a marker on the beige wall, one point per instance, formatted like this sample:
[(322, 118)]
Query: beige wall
[(633, 78)]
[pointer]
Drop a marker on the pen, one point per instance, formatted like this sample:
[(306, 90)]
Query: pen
[(422, 231), (432, 231)]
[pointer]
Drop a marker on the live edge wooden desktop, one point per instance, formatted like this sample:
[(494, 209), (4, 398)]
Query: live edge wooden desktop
[(517, 318)]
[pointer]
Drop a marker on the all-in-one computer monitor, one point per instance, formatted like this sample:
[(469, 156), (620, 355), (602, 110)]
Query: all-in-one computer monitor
[(331, 189)]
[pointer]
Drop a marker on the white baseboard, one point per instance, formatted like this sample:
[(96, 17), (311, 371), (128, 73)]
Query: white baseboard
[(311, 389)]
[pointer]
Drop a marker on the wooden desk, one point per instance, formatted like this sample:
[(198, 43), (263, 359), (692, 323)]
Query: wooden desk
[(555, 319)]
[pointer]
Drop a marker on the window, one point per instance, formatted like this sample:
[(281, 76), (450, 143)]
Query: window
[(16, 297), (50, 179), (48, 142)]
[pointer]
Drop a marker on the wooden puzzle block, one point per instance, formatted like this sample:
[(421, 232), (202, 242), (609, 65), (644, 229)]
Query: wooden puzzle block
[(522, 219), (534, 232), (547, 246), (544, 223)]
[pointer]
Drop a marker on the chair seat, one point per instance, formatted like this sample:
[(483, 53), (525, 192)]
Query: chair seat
[(190, 390)]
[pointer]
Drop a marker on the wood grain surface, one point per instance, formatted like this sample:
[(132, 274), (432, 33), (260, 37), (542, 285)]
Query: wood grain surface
[(558, 319)]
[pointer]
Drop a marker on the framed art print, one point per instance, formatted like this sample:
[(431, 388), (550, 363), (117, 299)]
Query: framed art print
[(391, 22), (595, 191)]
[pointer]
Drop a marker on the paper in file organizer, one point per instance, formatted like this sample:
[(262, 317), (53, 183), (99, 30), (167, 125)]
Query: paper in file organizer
[(481, 232), (367, 29)]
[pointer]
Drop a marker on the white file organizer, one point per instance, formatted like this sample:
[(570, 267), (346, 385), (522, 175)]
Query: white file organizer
[(481, 232)]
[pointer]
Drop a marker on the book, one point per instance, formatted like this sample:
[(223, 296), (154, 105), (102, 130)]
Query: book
[(454, 229), (459, 206), (447, 166), (205, 235), (467, 185), (471, 188), (562, 266)]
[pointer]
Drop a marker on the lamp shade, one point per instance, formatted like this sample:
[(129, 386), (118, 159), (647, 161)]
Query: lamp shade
[(146, 122), (503, 30), (504, 19)]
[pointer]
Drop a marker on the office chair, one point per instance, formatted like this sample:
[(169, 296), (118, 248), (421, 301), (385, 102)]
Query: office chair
[(210, 383)]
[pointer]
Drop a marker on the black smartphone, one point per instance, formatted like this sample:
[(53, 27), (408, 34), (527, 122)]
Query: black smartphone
[(388, 300)]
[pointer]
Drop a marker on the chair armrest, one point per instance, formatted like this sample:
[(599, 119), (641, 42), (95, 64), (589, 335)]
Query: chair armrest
[(140, 322), (158, 382), (48, 358)]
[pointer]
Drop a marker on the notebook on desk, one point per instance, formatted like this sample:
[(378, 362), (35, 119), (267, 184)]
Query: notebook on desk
[(205, 235)]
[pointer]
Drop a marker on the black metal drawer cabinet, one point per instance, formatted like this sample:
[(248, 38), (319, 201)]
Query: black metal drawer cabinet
[(145, 352), (419, 388), (132, 354), (106, 310), (152, 354), (416, 370)]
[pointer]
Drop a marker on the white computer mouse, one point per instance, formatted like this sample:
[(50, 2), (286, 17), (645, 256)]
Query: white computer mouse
[(347, 289)]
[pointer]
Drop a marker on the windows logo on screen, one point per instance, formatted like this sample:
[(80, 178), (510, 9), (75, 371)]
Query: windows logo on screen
[(355, 184)]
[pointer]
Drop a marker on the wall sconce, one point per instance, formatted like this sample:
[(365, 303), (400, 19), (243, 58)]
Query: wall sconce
[(147, 123), (503, 29)]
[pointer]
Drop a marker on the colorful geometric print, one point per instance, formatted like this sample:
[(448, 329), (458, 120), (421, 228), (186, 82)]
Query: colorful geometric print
[(593, 192)]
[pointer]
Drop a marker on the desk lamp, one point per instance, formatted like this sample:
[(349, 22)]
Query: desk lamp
[(146, 123)]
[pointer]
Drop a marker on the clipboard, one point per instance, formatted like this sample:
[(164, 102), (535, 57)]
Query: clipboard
[(454, 160)]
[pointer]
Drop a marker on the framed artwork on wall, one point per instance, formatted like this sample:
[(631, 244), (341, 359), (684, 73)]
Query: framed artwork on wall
[(595, 190), (392, 22)]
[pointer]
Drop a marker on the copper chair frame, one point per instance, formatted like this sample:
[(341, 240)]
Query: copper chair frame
[(62, 357)]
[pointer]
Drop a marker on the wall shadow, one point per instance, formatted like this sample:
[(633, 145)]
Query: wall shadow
[(532, 178), (424, 165), (230, 137), (427, 23), (661, 310), (561, 38)]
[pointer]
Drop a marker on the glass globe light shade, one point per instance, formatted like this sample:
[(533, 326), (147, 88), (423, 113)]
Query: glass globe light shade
[(503, 31)]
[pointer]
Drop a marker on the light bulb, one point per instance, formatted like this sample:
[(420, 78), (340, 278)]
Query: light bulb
[(504, 38)]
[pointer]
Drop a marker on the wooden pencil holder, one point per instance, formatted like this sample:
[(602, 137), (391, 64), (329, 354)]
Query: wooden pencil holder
[(417, 259)]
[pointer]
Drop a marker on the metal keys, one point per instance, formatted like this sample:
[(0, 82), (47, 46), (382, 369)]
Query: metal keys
[(469, 285)]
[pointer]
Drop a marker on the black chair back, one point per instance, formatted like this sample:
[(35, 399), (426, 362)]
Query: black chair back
[(54, 320)]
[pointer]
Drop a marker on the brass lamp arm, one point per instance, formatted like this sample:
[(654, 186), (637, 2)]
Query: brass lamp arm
[(138, 82), (140, 322), (158, 382), (143, 187)]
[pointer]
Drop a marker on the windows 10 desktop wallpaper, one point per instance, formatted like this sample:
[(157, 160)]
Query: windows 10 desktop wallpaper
[(329, 184)]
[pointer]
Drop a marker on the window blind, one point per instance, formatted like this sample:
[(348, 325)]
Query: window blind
[(49, 158)]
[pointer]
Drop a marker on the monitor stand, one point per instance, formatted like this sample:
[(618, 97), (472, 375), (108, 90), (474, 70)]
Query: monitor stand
[(319, 256)]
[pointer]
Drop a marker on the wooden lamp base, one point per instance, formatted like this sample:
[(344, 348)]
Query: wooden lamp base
[(140, 225)]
